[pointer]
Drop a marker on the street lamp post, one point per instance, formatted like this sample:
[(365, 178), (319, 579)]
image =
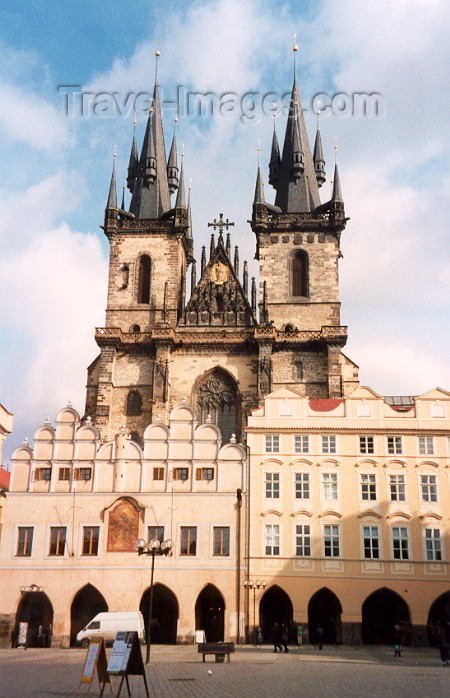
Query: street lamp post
[(250, 584), (154, 547)]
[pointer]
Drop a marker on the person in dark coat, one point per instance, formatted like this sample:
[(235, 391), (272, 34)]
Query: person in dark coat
[(284, 636), (397, 641), (319, 636), (277, 637), (443, 645)]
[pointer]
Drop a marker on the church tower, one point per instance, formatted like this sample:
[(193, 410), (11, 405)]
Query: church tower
[(298, 249)]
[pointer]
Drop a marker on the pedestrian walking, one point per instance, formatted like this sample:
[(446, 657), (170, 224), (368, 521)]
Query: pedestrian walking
[(284, 636), (443, 646), (397, 640), (277, 638), (319, 636)]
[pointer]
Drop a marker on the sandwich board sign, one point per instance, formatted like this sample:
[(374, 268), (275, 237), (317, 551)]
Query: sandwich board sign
[(126, 660), (95, 659)]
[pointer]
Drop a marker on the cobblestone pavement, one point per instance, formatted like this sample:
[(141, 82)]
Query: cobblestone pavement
[(335, 672)]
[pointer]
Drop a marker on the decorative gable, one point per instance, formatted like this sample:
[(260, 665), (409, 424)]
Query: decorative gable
[(218, 299)]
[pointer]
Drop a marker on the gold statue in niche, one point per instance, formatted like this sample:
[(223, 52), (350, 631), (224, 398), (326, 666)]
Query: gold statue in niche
[(218, 273), (123, 529)]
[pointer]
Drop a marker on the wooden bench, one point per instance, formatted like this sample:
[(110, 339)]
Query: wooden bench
[(219, 649)]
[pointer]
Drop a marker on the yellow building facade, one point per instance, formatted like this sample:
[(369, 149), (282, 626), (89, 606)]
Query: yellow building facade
[(349, 507)]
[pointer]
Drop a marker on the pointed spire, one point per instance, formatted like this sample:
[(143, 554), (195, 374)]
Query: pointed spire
[(193, 276), (134, 160), (203, 261), (259, 188), (274, 164), (151, 196), (236, 260), (212, 246), (319, 161), (112, 196), (181, 198), (336, 197), (297, 189), (245, 279), (228, 246), (172, 165), (122, 205), (189, 213)]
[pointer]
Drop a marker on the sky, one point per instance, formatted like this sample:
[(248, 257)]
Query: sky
[(56, 166)]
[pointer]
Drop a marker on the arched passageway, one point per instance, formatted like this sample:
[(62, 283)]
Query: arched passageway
[(439, 618), (87, 602), (36, 610), (275, 607), (380, 612), (324, 610), (210, 613), (164, 614)]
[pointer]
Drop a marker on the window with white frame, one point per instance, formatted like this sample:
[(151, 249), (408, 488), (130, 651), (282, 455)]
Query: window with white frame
[(397, 488), (272, 539), (428, 488), (24, 541), (426, 445), (394, 445), (371, 541), (368, 484), (272, 443), (366, 445), (301, 444), (302, 490), (272, 485), (303, 540), (221, 541), (331, 545), (433, 544), (400, 543), (328, 443), (330, 485)]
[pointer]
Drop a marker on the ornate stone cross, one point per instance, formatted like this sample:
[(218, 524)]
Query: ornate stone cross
[(221, 224)]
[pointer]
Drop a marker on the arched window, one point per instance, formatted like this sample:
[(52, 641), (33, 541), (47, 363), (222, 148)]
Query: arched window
[(143, 295), (134, 403), (135, 328), (300, 274), (217, 397), (298, 370)]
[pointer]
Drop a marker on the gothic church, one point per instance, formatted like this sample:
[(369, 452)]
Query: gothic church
[(228, 345)]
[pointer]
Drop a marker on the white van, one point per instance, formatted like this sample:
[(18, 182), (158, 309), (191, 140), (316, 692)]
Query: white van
[(107, 625)]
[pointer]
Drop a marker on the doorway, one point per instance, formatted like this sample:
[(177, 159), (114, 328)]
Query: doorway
[(324, 610), (380, 612), (210, 613), (276, 607), (87, 602), (164, 614)]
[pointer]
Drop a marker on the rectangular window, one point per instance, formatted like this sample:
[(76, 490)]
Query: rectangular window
[(272, 443), (371, 539), (90, 540), (188, 542), (426, 445), (303, 540), (397, 490), (368, 486), (155, 533), (428, 488), (328, 444), (83, 474), (180, 473), (433, 545), (272, 485), (221, 541), (400, 543), (301, 443), (64, 474), (204, 474), (331, 541), (366, 445), (57, 540), (330, 485), (272, 539), (394, 445), (43, 474), (24, 541), (158, 473), (302, 486)]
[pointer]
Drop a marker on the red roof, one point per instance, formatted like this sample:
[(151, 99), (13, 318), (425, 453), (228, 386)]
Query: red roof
[(325, 404), (4, 478)]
